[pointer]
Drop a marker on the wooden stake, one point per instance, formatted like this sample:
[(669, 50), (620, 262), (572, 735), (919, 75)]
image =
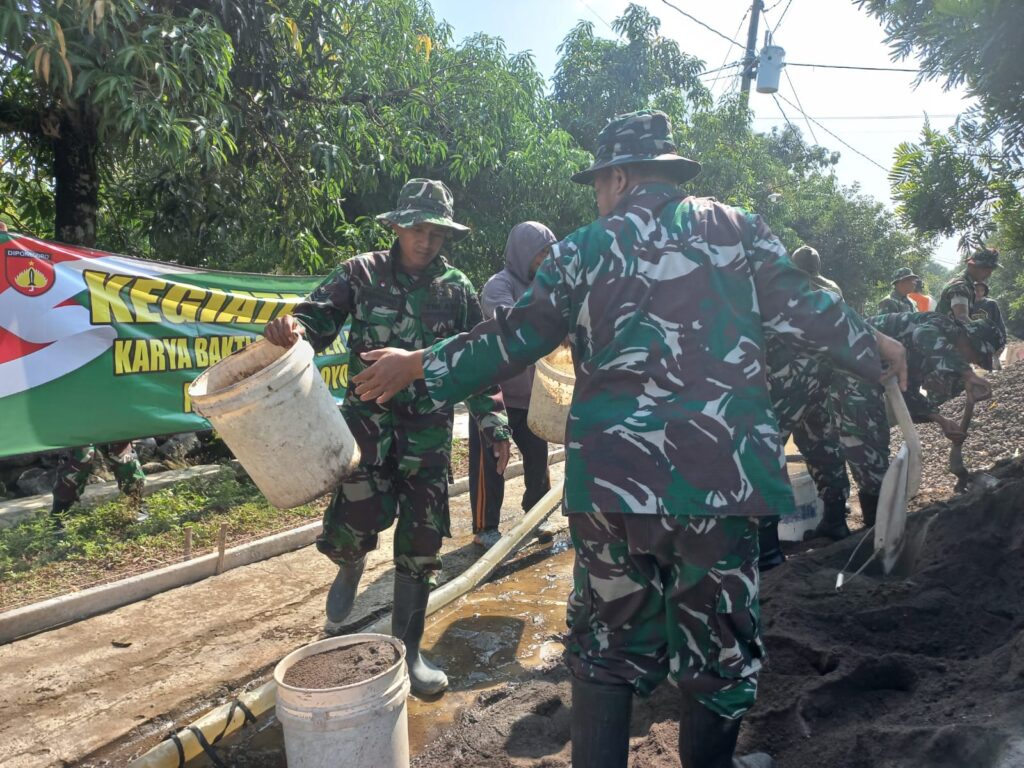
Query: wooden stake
[(188, 543), (221, 538)]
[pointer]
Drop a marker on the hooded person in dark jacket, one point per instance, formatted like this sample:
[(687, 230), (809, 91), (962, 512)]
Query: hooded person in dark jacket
[(528, 244)]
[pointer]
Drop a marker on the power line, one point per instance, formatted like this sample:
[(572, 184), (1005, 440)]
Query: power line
[(871, 117), (783, 15), (834, 136), (848, 66), (728, 50), (710, 29), (784, 115), (720, 69), (800, 105), (597, 15)]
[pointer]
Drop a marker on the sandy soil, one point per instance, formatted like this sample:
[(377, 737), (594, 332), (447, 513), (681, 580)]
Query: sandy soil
[(923, 671)]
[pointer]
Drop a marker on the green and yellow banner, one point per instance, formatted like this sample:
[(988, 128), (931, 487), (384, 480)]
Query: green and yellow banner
[(96, 347)]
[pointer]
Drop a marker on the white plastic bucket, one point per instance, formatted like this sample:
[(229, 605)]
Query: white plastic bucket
[(277, 416), (551, 397), (809, 509), (361, 724)]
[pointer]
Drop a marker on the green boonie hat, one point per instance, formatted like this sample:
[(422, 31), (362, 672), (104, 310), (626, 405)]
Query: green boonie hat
[(986, 257), (643, 137), (425, 200), (902, 274), (986, 338)]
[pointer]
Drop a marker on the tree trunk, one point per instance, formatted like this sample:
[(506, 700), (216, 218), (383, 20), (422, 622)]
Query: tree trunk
[(76, 181)]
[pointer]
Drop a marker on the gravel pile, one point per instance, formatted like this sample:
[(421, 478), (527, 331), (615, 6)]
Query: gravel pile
[(996, 431)]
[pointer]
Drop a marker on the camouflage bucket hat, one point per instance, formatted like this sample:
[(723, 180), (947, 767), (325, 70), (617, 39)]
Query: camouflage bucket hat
[(986, 339), (902, 274), (425, 200), (643, 137), (986, 257)]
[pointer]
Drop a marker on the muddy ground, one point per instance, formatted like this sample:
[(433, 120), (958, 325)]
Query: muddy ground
[(115, 684), (925, 671)]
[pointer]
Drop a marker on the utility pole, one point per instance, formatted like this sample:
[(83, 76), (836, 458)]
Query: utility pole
[(750, 59)]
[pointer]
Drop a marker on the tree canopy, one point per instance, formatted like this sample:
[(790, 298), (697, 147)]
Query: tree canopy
[(258, 136), (966, 181)]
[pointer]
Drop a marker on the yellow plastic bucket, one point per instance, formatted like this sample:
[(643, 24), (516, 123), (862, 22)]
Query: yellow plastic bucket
[(551, 397)]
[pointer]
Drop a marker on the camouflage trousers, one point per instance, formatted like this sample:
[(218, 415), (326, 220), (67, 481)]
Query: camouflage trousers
[(74, 470), (864, 430), (370, 500), (805, 406), (655, 596)]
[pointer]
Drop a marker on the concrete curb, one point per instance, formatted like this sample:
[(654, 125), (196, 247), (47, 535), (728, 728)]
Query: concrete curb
[(461, 485), (67, 609)]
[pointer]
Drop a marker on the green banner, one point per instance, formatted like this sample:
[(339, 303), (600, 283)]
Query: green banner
[(96, 347)]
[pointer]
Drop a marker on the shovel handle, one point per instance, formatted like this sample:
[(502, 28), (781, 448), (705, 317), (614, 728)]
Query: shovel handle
[(910, 437)]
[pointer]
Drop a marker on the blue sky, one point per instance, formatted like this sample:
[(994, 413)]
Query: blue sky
[(871, 111)]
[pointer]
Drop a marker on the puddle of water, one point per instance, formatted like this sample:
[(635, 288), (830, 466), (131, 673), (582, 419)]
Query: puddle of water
[(483, 640), (491, 636)]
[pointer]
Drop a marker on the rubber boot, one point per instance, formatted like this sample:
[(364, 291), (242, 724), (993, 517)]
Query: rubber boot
[(342, 594), (600, 724), (771, 550), (407, 621), (868, 507), (833, 520), (708, 740), (57, 514)]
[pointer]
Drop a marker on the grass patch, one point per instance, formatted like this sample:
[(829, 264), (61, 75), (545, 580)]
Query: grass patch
[(105, 542), (460, 457)]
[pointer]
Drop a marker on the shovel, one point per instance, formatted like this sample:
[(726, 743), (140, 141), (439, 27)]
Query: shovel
[(901, 482), (965, 479)]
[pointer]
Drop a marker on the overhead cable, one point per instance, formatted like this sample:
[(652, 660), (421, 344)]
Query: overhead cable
[(850, 66), (710, 29), (834, 136)]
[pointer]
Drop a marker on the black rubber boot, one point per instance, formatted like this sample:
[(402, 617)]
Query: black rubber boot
[(57, 514), (771, 550), (868, 507), (708, 740), (342, 594), (407, 621), (833, 520), (600, 724)]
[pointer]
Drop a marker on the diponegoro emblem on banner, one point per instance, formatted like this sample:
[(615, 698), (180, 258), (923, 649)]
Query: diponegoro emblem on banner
[(28, 272)]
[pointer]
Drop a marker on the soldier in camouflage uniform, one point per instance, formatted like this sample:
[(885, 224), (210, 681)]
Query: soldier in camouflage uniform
[(801, 391), (809, 260), (904, 281), (939, 353), (73, 475), (409, 297), (672, 448), (958, 295)]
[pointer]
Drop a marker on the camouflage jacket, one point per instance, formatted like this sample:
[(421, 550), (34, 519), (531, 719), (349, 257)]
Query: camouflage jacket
[(930, 339), (666, 302), (822, 283), (894, 303), (960, 286), (391, 308)]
